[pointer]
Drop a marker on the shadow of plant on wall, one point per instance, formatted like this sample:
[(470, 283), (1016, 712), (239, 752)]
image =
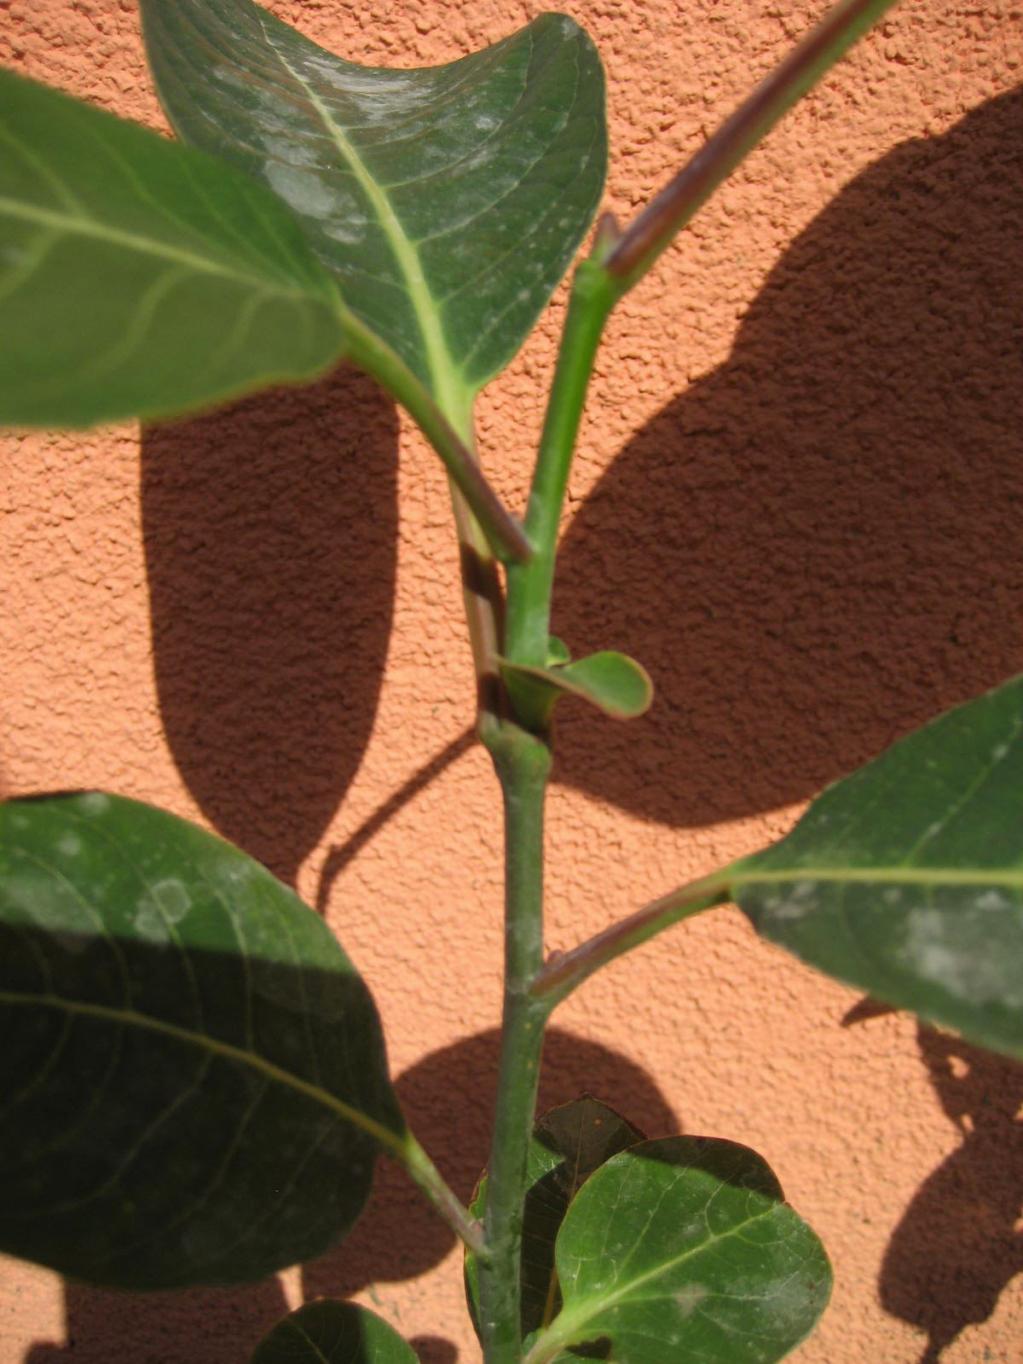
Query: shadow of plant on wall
[(270, 538), (959, 1243), (823, 545)]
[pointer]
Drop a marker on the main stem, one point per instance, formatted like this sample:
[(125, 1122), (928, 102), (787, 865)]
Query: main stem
[(522, 757), (523, 764)]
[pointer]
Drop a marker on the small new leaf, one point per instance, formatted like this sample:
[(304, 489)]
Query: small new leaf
[(612, 682), (906, 878)]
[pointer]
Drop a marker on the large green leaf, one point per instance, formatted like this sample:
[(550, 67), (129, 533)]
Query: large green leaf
[(140, 278), (567, 1145), (906, 879), (194, 1084), (449, 200), (330, 1332), (684, 1249)]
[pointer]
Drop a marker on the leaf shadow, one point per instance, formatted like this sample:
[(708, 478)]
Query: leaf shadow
[(959, 1243), (434, 1350), (194, 1326), (270, 532), (448, 1098), (816, 547)]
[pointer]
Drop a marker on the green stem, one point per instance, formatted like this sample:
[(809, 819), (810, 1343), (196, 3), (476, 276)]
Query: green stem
[(427, 1177), (565, 971), (523, 765), (530, 584), (647, 236), (502, 530)]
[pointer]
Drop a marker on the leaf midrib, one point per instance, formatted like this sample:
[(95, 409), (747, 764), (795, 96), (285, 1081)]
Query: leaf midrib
[(439, 361), (151, 246), (922, 876), (392, 1141), (573, 1318)]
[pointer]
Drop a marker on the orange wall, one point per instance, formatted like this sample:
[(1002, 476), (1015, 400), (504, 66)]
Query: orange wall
[(798, 502)]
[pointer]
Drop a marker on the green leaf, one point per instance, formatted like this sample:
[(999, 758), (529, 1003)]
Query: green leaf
[(140, 278), (333, 1333), (448, 200), (193, 1077), (684, 1249), (906, 879), (613, 682), (568, 1144), (558, 651)]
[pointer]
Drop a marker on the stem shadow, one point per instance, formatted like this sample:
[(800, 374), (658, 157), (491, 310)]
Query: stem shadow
[(196, 1326)]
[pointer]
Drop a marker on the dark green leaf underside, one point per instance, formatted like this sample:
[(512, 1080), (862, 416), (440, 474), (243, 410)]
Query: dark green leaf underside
[(683, 1249), (906, 879), (140, 278), (448, 200), (193, 1076), (568, 1144), (333, 1333)]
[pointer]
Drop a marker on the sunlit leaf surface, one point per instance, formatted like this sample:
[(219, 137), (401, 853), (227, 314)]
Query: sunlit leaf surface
[(140, 278), (448, 200), (906, 879)]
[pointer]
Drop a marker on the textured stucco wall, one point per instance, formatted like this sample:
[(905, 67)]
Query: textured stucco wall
[(798, 501)]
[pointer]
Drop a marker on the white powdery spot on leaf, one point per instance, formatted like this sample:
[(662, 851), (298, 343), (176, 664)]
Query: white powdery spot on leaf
[(688, 1299), (994, 900), (786, 910), (937, 949), (160, 909), (307, 193), (93, 803)]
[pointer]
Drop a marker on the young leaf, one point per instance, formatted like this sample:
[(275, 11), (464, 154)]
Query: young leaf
[(140, 278), (448, 200), (613, 682), (194, 1078), (330, 1332), (684, 1249), (568, 1144), (906, 879)]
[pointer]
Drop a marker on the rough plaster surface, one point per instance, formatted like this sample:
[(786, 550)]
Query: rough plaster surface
[(798, 501)]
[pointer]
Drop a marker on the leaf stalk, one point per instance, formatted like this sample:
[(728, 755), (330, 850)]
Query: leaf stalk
[(428, 1179), (653, 230), (566, 971), (504, 534)]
